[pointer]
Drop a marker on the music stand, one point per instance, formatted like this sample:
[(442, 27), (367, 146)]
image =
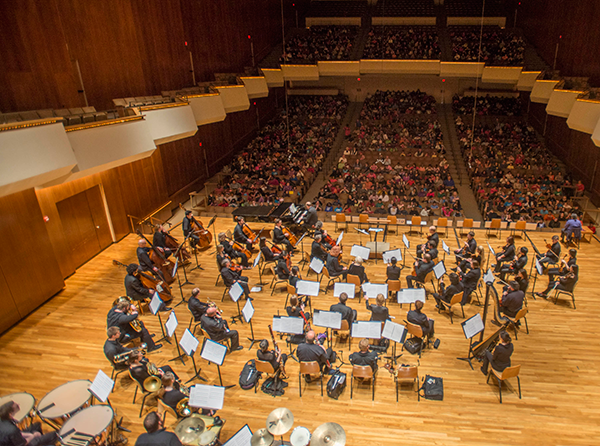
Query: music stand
[(254, 265), (539, 270), (410, 296), (365, 329), (189, 343), (471, 327), (406, 246), (394, 332), (207, 397), (491, 251), (360, 231), (317, 265), (171, 326), (212, 222), (348, 288), (446, 249), (289, 325), (241, 437), (327, 320), (248, 312), (215, 352), (155, 305), (235, 292), (376, 231)]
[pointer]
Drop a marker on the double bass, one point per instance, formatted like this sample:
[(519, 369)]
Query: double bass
[(198, 230), (183, 255), (164, 265), (150, 282)]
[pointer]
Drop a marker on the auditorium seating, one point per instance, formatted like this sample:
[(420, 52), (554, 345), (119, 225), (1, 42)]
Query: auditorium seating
[(498, 47), (338, 9), (404, 8), (321, 43), (402, 42)]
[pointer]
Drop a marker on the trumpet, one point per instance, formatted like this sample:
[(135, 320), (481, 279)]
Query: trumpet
[(212, 304), (183, 406), (122, 357)]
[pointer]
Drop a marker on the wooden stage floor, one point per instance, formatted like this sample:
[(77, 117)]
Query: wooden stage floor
[(560, 358)]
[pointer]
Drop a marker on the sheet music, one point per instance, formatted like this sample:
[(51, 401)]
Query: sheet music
[(248, 311), (213, 352), (171, 324), (207, 397), (491, 249), (257, 259), (175, 267), (102, 386), (394, 332), (361, 231), (373, 289), (340, 287), (288, 325), (240, 438), (360, 251), (387, 256), (236, 291), (445, 247), (411, 295), (472, 326), (188, 342), (489, 276), (539, 267), (256, 289), (293, 208), (406, 242), (155, 304), (307, 288), (366, 329), (327, 319), (316, 264), (340, 238), (375, 229), (439, 269)]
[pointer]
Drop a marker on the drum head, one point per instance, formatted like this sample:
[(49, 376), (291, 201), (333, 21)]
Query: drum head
[(65, 399), (90, 421), (300, 436), (207, 438)]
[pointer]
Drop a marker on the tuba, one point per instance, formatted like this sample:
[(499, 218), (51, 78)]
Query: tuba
[(183, 407)]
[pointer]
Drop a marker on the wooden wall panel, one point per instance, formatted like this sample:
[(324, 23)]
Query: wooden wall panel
[(9, 314), (544, 21), (30, 267)]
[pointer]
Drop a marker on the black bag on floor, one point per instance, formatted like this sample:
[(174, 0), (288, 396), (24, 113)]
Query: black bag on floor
[(433, 388), (336, 385), (249, 375), (274, 387), (412, 345)]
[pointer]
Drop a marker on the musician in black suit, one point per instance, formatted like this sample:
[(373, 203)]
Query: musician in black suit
[(356, 269), (156, 434), (512, 300), (282, 269), (240, 236), (297, 306), (422, 267), (143, 255), (417, 317), (500, 359), (133, 285), (121, 315), (280, 238), (447, 292), (552, 255), (506, 255), (294, 276), (309, 351), (393, 272), (467, 263), (159, 240), (317, 250), (470, 279), (431, 249), (266, 252), (138, 368), (563, 283), (232, 253), (522, 279), (12, 435), (218, 329), (563, 265), (364, 356), (197, 307), (467, 250), (432, 237), (231, 277), (379, 312), (275, 357), (113, 347), (333, 264), (186, 226), (348, 314), (311, 216), (516, 264)]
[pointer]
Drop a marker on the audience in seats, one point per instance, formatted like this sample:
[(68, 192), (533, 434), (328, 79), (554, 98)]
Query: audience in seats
[(321, 43), (498, 47), (402, 42)]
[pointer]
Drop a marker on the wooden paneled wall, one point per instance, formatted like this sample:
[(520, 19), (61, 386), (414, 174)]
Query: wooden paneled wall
[(29, 272), (126, 48), (544, 21)]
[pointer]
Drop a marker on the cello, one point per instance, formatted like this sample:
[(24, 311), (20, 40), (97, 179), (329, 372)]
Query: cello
[(164, 265), (183, 255), (291, 237), (198, 230), (163, 290)]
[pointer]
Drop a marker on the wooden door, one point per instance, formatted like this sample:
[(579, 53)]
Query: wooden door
[(85, 224)]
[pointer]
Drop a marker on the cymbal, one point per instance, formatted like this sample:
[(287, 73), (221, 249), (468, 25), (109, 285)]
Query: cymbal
[(280, 421), (328, 434), (262, 437), (190, 429)]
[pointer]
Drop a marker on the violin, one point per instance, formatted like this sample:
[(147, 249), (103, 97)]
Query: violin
[(240, 248), (164, 265), (198, 229), (150, 282)]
